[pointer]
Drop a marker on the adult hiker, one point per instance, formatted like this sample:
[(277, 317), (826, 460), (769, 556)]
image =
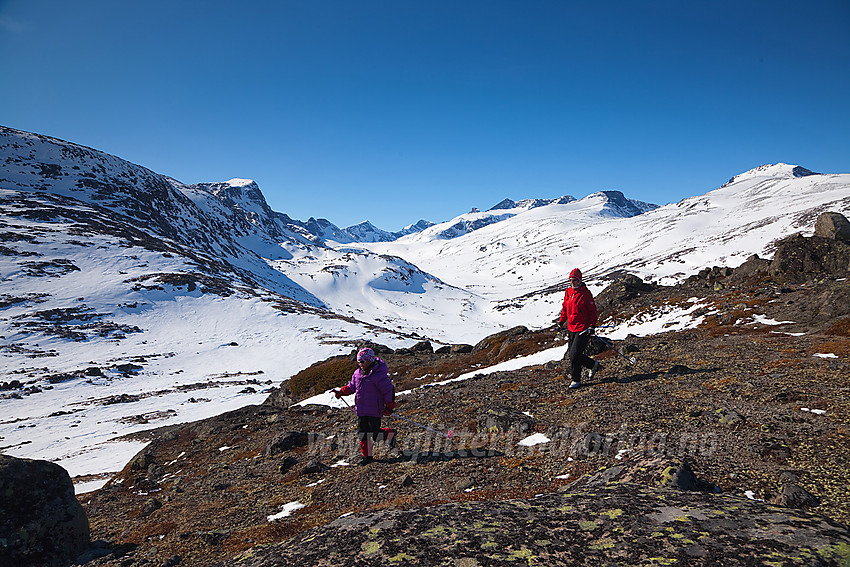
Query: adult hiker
[(373, 397), (579, 315)]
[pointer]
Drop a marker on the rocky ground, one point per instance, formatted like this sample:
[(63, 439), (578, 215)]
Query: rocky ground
[(727, 443)]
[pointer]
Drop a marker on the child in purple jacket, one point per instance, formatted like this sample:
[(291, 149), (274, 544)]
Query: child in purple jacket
[(373, 397)]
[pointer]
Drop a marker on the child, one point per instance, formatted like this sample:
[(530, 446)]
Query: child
[(373, 397)]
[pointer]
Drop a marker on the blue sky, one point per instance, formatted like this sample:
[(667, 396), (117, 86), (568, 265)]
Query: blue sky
[(398, 110)]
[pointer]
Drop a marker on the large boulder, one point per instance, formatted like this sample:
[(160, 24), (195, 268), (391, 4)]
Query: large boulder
[(798, 257), (753, 266), (620, 291), (42, 524), (834, 226)]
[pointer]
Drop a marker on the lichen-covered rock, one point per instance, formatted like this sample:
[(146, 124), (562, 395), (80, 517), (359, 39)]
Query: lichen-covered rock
[(797, 255), (500, 419), (620, 524), (41, 522), (500, 338)]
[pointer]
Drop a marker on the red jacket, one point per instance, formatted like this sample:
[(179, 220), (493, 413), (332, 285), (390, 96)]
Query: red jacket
[(579, 310)]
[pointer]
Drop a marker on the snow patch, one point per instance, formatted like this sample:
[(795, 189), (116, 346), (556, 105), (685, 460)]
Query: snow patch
[(536, 439), (287, 510)]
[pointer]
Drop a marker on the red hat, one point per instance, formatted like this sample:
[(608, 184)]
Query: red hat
[(576, 273)]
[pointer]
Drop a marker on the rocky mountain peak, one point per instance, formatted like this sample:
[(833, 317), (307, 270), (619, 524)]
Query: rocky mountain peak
[(617, 204)]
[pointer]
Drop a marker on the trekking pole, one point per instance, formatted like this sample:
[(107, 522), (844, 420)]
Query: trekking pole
[(346, 403), (631, 359), (446, 435)]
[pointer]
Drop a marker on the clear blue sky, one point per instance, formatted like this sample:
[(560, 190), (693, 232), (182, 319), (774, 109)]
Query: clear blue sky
[(398, 110)]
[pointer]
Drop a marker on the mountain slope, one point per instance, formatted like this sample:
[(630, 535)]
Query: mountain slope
[(536, 248), (129, 299)]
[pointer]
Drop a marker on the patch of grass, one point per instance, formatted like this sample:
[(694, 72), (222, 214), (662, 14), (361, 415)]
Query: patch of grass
[(839, 347), (840, 328), (522, 347), (154, 529), (331, 373)]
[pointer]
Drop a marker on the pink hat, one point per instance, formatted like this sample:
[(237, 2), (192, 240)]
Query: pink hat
[(576, 273), (366, 355)]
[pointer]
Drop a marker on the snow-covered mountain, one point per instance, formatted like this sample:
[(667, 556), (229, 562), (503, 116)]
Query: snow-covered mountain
[(362, 232), (612, 204), (533, 249), (131, 300)]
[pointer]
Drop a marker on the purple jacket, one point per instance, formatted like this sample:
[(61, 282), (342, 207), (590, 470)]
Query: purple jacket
[(373, 391)]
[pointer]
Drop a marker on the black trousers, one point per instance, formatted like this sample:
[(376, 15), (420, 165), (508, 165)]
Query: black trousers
[(577, 343), (368, 427), (369, 430)]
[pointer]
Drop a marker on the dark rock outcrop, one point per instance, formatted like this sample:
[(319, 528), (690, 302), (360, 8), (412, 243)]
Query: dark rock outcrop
[(284, 442), (626, 524), (280, 398), (794, 496), (41, 522), (619, 292), (751, 267), (797, 256)]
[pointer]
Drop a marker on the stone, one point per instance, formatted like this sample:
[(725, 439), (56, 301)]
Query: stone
[(681, 476), (287, 464), (285, 441), (797, 256), (751, 267), (280, 398), (314, 466), (795, 496), (505, 418), (730, 417), (42, 524), (151, 506), (625, 288), (834, 226)]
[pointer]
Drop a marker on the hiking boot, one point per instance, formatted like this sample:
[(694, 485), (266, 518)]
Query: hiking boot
[(574, 385), (596, 368), (364, 461)]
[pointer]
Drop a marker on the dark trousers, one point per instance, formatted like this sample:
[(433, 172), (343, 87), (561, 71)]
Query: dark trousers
[(578, 360), (369, 430)]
